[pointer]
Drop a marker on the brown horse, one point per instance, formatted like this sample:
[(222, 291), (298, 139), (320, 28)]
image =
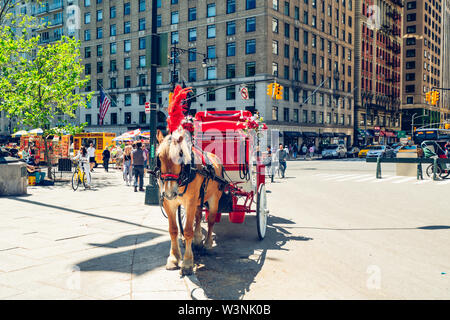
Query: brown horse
[(174, 152)]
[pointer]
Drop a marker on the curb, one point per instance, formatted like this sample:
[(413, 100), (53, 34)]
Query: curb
[(194, 289)]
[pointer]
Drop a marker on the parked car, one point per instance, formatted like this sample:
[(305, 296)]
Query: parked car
[(334, 151), (363, 151), (353, 152), (383, 151)]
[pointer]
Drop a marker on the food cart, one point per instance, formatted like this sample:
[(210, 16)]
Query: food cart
[(58, 147), (99, 139)]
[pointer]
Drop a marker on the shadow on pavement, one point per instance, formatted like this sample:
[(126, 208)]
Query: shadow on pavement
[(134, 261), (128, 240), (374, 229), (231, 267)]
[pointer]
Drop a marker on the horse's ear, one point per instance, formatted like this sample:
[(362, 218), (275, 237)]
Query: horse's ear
[(159, 136)]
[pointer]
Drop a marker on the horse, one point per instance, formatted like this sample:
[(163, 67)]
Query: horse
[(175, 153)]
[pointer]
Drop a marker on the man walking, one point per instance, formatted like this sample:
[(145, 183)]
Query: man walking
[(282, 157), (138, 160), (304, 151), (106, 156), (91, 155)]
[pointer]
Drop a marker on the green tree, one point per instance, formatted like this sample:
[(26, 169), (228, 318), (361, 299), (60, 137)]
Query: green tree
[(36, 89)]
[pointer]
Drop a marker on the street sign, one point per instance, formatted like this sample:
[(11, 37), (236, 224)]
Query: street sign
[(244, 93), (147, 108)]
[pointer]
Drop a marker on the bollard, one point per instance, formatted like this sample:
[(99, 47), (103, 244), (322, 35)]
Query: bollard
[(435, 169), (379, 167), (419, 171)]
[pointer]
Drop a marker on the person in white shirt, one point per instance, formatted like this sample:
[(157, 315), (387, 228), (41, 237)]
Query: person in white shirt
[(82, 157), (91, 155)]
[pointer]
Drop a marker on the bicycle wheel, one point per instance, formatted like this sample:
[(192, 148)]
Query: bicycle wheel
[(75, 180), (429, 171), (85, 176)]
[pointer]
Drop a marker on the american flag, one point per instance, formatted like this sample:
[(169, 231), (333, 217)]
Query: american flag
[(104, 105)]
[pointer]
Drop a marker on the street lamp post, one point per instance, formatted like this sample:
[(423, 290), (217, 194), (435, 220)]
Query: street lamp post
[(412, 122)]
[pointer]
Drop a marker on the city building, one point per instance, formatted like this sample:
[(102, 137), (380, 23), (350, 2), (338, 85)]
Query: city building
[(378, 59), (424, 59), (305, 45)]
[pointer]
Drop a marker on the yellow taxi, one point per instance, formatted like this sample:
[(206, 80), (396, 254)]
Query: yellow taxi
[(363, 152)]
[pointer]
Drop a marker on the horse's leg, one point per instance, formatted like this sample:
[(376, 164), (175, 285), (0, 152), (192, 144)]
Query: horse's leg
[(175, 255), (187, 266), (198, 228), (213, 203)]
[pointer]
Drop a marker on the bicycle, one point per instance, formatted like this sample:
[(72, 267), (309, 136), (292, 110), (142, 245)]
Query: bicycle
[(79, 176)]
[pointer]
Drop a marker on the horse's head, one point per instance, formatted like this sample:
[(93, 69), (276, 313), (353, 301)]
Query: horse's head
[(173, 153)]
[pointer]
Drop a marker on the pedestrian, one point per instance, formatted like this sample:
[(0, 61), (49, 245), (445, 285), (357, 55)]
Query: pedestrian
[(127, 165), (83, 158), (268, 163), (286, 149), (304, 151), (311, 151), (106, 156), (281, 157), (91, 155), (138, 161), (295, 150)]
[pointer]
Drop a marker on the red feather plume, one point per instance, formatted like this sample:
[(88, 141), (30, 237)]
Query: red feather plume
[(176, 108)]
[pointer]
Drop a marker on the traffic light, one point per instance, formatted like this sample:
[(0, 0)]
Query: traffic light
[(433, 98), (270, 89), (278, 91), (428, 96), (437, 96)]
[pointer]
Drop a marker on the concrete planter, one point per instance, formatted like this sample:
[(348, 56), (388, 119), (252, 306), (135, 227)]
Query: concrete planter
[(13, 179)]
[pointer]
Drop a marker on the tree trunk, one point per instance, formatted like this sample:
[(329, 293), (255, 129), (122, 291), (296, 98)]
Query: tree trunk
[(47, 159)]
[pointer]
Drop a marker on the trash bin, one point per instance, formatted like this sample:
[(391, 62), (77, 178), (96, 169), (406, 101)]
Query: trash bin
[(407, 169)]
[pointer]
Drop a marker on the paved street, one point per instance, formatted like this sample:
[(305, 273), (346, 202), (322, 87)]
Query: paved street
[(335, 232)]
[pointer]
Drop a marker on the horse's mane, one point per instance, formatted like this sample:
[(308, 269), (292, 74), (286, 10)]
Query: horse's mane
[(171, 148)]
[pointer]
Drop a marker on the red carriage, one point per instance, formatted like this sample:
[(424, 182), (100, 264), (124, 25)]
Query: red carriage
[(223, 134)]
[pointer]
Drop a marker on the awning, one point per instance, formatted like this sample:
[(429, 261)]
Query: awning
[(327, 134), (309, 134), (292, 134), (340, 134), (390, 134)]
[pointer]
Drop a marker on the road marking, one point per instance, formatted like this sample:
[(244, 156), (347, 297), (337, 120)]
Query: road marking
[(354, 176), (386, 179), (339, 176), (422, 181), (367, 179), (405, 180)]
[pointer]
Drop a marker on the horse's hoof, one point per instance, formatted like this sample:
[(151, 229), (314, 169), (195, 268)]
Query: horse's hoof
[(172, 264), (186, 271)]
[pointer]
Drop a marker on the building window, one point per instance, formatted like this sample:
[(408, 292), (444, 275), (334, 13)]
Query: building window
[(231, 71), (99, 15), (87, 69), (127, 100), (192, 55), (250, 69), (174, 17), (250, 46), (286, 114), (113, 83), (87, 35), (231, 93), (142, 117), (231, 28), (88, 118), (411, 29), (113, 47), (275, 69), (211, 31), (127, 118), (174, 37), (141, 43), (231, 6), (142, 99), (127, 82), (210, 95), (211, 10), (211, 52), (250, 24), (127, 27), (141, 5), (142, 62), (87, 52), (250, 4), (87, 18), (127, 63), (275, 113), (126, 8), (231, 49), (192, 34), (286, 30), (141, 24), (112, 30), (99, 50), (112, 12), (99, 33), (192, 75), (211, 73), (112, 65), (275, 47), (275, 25), (192, 14), (100, 67), (127, 46)]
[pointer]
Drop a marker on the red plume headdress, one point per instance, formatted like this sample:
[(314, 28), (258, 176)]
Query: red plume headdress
[(176, 108)]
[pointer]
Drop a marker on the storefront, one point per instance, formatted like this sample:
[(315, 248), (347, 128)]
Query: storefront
[(291, 137)]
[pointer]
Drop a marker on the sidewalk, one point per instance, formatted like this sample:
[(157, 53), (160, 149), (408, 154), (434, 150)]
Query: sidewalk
[(103, 243)]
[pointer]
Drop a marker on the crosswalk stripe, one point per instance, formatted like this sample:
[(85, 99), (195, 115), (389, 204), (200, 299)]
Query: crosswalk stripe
[(386, 179), (405, 180), (335, 177), (353, 177), (372, 177)]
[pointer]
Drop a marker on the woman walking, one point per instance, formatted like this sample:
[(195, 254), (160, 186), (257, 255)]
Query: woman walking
[(127, 176)]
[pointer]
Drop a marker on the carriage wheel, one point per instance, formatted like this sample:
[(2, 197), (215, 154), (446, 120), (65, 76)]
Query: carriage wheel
[(429, 171), (261, 211)]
